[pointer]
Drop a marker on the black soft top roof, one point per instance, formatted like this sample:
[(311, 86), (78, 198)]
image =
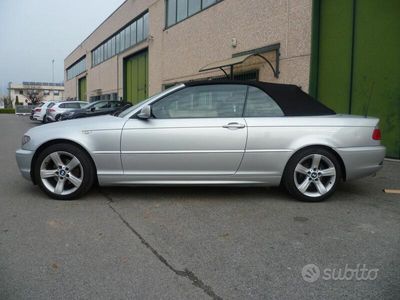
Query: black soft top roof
[(290, 98)]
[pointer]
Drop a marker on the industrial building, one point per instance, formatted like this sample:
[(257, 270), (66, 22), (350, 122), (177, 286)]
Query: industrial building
[(344, 52), (32, 92)]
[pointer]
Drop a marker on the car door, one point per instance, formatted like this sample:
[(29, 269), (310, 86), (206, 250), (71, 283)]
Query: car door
[(196, 131), (267, 141)]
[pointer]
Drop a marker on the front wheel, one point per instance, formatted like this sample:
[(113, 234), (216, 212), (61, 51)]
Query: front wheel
[(44, 119), (64, 172), (312, 174)]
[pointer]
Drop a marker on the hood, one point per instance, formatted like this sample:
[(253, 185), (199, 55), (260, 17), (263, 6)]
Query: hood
[(105, 122)]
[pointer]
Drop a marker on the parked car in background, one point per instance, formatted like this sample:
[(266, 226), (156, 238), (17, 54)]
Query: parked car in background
[(102, 107), (55, 110), (208, 133), (39, 112)]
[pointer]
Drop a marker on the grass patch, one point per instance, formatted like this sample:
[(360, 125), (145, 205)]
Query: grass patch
[(7, 111)]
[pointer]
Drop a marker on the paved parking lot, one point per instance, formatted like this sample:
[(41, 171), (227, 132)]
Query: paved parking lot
[(195, 243)]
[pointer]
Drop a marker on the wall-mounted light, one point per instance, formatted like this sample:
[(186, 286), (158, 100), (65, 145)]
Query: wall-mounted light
[(234, 42)]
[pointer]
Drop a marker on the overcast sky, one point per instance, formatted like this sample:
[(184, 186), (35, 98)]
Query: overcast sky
[(33, 32)]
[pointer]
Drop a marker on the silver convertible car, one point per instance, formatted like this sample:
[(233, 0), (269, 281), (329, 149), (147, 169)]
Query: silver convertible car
[(207, 133)]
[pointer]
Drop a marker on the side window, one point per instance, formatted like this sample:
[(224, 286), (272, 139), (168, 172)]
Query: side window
[(260, 104), (204, 101), (71, 105), (62, 105), (114, 104)]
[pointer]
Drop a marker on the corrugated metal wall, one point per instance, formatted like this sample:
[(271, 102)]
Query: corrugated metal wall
[(356, 61)]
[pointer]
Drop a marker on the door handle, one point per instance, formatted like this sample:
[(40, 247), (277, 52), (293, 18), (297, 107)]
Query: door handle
[(234, 125)]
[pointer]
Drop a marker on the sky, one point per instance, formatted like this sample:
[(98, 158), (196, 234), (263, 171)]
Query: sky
[(34, 32)]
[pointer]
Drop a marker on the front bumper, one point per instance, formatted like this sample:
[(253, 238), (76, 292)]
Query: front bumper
[(24, 161), (362, 161)]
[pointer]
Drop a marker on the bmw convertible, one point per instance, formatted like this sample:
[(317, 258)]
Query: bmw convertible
[(207, 133)]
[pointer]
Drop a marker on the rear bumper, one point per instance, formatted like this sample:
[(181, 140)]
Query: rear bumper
[(24, 160), (362, 161), (37, 117)]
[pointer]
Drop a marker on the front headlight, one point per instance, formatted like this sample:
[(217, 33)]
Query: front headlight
[(25, 139)]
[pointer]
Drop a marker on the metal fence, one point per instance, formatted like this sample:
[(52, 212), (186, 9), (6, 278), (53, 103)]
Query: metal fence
[(23, 109)]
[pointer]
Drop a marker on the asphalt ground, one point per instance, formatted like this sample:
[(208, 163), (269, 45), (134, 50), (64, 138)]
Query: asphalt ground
[(196, 242)]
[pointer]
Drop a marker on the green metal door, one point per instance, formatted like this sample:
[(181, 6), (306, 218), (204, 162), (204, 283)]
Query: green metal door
[(335, 54), (82, 95), (355, 61), (376, 71), (136, 77)]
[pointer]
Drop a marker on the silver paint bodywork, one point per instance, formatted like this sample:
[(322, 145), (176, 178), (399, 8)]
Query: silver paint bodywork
[(130, 151)]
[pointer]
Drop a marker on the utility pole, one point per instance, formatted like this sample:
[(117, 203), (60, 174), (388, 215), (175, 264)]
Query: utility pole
[(52, 62)]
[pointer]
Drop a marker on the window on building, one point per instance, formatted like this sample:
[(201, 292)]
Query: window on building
[(207, 3), (139, 30), (77, 68), (21, 92), (56, 92), (46, 92), (194, 6), (171, 12), (133, 33), (178, 10), (117, 44), (145, 25), (127, 37), (182, 10)]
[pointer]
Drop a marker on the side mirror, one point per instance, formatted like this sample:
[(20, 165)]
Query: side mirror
[(145, 113)]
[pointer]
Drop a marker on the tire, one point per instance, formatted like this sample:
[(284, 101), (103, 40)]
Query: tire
[(44, 121), (57, 118), (64, 171), (312, 174)]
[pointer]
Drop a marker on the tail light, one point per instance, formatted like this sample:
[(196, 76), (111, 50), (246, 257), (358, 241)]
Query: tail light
[(376, 134), (51, 110), (37, 109)]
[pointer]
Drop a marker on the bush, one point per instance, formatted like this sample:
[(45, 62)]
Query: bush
[(7, 111)]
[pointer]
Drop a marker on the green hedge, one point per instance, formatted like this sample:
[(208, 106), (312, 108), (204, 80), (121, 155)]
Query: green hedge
[(7, 111)]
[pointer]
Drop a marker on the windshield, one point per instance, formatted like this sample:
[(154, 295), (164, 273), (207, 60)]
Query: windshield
[(130, 109)]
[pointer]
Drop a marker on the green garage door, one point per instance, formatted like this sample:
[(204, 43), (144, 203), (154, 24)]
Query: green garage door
[(356, 61), (82, 95), (136, 77)]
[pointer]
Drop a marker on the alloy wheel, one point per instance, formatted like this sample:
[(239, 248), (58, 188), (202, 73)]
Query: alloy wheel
[(315, 175), (61, 173)]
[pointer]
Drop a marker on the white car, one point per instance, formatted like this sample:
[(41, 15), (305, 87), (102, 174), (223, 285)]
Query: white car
[(39, 112), (54, 111)]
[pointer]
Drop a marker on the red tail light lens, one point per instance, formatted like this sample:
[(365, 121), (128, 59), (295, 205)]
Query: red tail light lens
[(376, 134), (52, 110), (38, 109)]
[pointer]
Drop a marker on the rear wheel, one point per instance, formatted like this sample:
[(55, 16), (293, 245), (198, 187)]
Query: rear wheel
[(57, 118), (44, 119), (312, 174), (64, 172)]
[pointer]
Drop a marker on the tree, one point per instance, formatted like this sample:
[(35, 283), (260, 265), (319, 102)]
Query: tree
[(34, 94), (6, 100)]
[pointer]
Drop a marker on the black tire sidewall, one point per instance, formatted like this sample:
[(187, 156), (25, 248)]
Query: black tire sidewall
[(288, 178), (81, 155)]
